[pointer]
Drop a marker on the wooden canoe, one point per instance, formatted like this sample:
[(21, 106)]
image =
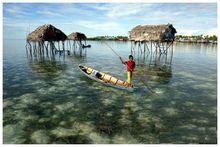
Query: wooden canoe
[(105, 78)]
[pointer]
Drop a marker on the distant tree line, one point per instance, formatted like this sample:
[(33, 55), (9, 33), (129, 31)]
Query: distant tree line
[(197, 37), (114, 38), (178, 38)]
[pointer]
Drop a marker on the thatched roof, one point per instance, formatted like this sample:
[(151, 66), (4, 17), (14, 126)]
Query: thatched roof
[(77, 36), (46, 32), (153, 33)]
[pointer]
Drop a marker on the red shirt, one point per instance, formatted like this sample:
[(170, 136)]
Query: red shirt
[(130, 65)]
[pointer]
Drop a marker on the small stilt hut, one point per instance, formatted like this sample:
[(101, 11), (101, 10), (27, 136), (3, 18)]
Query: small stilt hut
[(161, 36), (44, 38), (77, 38)]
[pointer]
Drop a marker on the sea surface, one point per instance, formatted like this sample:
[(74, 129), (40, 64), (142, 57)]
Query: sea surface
[(47, 100)]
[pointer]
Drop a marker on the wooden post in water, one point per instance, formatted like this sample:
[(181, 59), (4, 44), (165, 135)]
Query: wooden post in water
[(63, 45), (151, 46)]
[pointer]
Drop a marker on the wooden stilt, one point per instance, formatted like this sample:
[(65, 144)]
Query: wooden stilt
[(171, 54), (131, 48), (63, 45)]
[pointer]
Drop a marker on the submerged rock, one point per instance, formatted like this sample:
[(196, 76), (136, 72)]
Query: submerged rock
[(13, 134), (171, 111), (62, 123), (55, 116), (44, 120), (63, 132), (80, 97), (97, 138), (107, 101), (125, 121), (125, 138), (83, 128), (52, 89), (42, 91), (19, 106), (144, 118), (8, 103), (19, 114), (40, 136), (29, 99), (65, 107), (188, 104), (31, 117), (133, 106), (159, 91), (109, 114)]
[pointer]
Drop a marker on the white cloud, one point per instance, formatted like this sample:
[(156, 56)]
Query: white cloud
[(99, 26), (76, 10), (16, 9), (122, 10), (48, 13), (103, 7), (187, 31), (178, 13), (212, 31)]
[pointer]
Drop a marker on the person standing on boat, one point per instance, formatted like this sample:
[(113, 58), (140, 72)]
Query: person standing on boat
[(130, 65)]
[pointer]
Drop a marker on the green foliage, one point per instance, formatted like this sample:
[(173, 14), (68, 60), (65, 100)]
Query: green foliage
[(213, 38), (197, 37), (115, 38)]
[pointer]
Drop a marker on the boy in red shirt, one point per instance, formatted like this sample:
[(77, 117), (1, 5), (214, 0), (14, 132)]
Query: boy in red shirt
[(130, 65)]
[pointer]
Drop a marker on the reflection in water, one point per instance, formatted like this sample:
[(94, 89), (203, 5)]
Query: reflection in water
[(47, 60), (200, 48), (46, 63), (79, 52), (155, 66)]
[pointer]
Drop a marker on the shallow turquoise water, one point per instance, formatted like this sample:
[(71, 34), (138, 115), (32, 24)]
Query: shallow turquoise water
[(48, 100)]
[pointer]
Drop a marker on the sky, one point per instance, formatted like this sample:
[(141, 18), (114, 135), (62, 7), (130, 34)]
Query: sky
[(95, 19)]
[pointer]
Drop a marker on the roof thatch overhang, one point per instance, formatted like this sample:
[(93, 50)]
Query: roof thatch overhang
[(76, 36), (46, 32), (153, 33)]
